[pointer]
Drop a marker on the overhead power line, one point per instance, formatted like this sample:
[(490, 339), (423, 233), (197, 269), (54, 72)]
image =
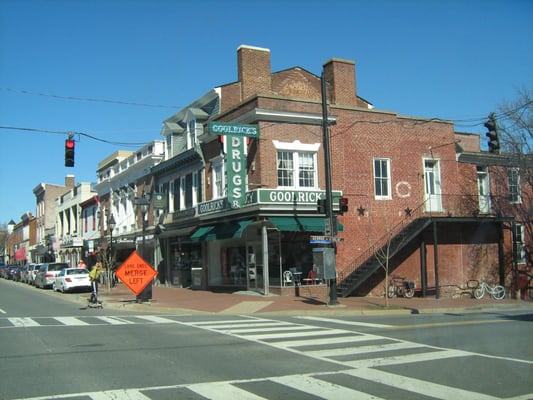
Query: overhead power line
[(128, 103), (74, 133)]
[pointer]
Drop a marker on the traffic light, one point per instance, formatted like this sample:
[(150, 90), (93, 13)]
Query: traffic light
[(492, 134), (321, 206), (343, 205), (69, 152)]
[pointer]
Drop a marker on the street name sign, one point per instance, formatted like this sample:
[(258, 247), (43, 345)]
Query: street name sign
[(135, 273)]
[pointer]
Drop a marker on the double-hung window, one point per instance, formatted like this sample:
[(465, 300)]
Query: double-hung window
[(382, 179), (296, 164), (519, 252), (296, 169), (515, 195)]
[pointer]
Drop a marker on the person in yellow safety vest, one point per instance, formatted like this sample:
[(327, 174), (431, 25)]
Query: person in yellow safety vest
[(94, 276)]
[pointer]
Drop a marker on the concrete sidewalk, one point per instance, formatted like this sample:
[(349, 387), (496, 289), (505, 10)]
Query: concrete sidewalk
[(182, 300)]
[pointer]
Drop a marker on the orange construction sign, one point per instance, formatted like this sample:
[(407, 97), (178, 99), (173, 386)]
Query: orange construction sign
[(135, 273)]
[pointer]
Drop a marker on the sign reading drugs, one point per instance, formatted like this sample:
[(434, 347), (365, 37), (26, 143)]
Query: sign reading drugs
[(135, 273), (235, 147)]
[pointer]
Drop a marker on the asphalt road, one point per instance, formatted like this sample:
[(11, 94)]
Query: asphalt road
[(53, 348)]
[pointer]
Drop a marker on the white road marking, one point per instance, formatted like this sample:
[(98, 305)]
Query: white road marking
[(417, 386), (346, 351), (22, 322), (223, 391), (71, 321), (322, 389), (156, 319), (352, 323), (114, 320)]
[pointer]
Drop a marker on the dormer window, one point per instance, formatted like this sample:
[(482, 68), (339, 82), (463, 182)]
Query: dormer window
[(191, 134)]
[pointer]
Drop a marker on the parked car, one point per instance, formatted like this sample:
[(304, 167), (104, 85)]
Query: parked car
[(3, 270), (9, 271), (47, 273), (69, 279), (17, 273), (31, 273)]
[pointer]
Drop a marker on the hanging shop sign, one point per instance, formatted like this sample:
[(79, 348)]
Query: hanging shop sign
[(235, 148), (273, 197)]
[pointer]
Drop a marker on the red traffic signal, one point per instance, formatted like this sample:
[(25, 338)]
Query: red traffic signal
[(343, 205), (69, 152)]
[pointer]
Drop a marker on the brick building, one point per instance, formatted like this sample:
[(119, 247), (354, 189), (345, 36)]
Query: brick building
[(421, 196)]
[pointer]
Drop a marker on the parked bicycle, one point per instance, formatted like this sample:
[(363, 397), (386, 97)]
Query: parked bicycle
[(399, 286), (496, 291)]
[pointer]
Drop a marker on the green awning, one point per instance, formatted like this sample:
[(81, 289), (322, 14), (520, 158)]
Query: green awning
[(197, 236), (301, 224), (221, 231)]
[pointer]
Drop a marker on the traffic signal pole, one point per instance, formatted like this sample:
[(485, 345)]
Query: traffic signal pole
[(329, 196)]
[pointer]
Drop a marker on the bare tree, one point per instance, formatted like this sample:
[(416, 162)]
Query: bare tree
[(515, 125)]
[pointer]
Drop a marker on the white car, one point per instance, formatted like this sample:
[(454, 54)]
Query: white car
[(45, 278), (70, 279)]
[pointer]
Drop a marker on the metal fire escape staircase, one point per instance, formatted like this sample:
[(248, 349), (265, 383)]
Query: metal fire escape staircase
[(372, 259)]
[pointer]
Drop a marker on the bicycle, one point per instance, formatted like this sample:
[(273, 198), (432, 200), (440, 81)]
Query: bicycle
[(399, 286), (496, 291)]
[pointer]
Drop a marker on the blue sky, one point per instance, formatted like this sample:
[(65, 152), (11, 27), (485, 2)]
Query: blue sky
[(83, 66)]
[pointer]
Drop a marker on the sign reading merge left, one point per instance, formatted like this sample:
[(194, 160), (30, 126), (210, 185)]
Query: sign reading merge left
[(235, 148), (135, 273)]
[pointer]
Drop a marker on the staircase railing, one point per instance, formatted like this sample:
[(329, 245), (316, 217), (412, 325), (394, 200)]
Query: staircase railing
[(460, 205), (379, 244)]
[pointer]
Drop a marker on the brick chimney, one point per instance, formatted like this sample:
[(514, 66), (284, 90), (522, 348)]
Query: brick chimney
[(69, 181), (340, 80), (253, 64)]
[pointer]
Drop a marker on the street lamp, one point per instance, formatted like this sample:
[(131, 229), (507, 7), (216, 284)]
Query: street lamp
[(111, 225), (144, 204)]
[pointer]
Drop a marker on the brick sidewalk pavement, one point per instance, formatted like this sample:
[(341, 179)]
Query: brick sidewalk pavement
[(183, 300)]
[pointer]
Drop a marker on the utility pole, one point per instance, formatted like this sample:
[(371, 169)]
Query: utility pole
[(330, 221)]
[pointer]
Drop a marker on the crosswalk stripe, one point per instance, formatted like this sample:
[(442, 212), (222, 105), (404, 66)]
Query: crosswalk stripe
[(242, 325), (321, 341), (416, 385), (285, 335), (22, 322), (223, 322), (322, 389), (156, 319), (124, 394), (114, 320), (223, 391), (238, 331), (71, 321), (344, 322), (345, 351), (406, 358)]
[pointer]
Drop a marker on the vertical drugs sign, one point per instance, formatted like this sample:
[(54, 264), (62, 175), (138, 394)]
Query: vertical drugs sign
[(235, 147)]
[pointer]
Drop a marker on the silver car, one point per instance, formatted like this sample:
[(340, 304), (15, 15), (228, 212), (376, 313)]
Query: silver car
[(47, 272), (31, 273)]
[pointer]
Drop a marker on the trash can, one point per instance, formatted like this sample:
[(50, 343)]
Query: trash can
[(197, 278)]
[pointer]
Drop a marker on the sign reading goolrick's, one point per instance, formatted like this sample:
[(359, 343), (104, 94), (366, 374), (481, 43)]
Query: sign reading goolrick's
[(227, 128), (235, 149)]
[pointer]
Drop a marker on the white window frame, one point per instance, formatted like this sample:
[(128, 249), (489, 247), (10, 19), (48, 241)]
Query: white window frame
[(519, 248), (386, 179), (515, 192), (297, 149), (218, 178)]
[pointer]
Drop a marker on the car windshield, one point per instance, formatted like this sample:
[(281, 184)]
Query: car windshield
[(57, 267), (77, 271)]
